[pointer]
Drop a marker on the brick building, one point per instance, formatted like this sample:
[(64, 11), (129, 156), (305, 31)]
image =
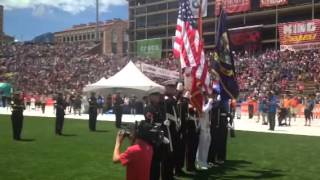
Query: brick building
[(115, 38), (112, 35), (150, 19)]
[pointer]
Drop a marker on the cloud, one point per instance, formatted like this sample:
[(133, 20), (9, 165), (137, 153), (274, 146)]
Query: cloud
[(70, 6), (39, 11)]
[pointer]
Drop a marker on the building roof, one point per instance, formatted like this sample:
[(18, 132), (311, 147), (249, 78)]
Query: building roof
[(92, 25)]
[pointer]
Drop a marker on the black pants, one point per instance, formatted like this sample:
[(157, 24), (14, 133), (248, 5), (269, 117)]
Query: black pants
[(17, 124), (180, 151), (272, 120), (222, 143), (167, 163), (162, 163), (164, 160), (92, 119), (156, 163), (192, 140), (218, 146), (212, 156), (118, 119), (59, 121)]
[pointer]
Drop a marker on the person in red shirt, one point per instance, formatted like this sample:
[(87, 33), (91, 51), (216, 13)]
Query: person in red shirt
[(137, 158)]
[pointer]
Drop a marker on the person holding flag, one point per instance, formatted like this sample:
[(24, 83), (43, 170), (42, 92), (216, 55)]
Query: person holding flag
[(222, 68), (188, 48)]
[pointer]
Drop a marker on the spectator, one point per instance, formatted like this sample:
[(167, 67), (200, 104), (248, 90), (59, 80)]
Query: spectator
[(272, 110), (77, 105), (132, 104), (263, 110), (137, 158), (43, 102), (308, 110), (100, 103), (65, 67)]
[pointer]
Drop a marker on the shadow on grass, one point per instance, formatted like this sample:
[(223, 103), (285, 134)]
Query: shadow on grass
[(237, 169), (26, 140), (101, 131), (257, 174), (68, 135)]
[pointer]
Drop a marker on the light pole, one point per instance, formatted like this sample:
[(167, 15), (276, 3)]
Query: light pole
[(97, 19)]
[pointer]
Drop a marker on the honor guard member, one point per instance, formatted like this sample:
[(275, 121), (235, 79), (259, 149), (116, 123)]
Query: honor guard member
[(154, 114), (93, 110), (17, 106), (60, 107), (192, 136), (118, 109), (219, 133), (182, 106), (173, 125)]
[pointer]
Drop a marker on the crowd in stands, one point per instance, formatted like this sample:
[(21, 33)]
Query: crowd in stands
[(31, 67), (48, 68), (275, 70)]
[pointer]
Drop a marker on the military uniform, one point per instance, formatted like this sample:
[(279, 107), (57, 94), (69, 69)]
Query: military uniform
[(219, 133), (164, 158), (155, 115), (17, 116), (192, 139), (169, 153), (60, 107), (180, 149), (118, 110), (93, 107)]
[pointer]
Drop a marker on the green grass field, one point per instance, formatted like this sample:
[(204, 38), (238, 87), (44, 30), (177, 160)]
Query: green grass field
[(81, 155)]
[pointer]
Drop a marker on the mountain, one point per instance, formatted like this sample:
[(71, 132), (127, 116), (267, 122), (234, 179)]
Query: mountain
[(44, 38)]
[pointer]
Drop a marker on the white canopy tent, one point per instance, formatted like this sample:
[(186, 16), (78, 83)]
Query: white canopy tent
[(130, 80)]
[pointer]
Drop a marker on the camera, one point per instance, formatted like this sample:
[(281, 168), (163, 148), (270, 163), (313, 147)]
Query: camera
[(128, 129), (151, 133)]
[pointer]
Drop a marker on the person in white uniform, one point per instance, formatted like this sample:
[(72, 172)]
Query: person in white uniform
[(205, 136)]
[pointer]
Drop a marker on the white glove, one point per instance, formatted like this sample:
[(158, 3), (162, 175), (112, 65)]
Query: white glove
[(166, 140), (180, 87), (210, 100), (187, 95), (219, 98), (166, 123)]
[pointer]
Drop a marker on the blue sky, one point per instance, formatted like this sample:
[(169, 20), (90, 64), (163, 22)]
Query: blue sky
[(25, 19)]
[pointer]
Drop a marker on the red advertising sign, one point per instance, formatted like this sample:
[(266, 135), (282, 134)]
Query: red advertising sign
[(247, 38), (241, 38), (232, 6), (300, 35), (270, 3)]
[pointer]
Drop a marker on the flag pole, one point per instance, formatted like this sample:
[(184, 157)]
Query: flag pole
[(200, 20), (276, 43)]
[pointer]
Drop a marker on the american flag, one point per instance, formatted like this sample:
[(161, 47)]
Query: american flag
[(187, 44), (188, 47)]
